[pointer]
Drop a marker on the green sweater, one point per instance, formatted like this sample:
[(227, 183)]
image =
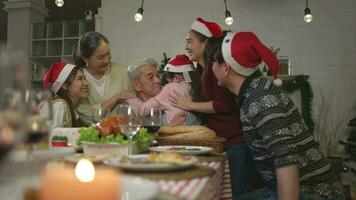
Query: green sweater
[(117, 81)]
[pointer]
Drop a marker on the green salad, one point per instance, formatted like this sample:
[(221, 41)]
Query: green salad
[(91, 134)]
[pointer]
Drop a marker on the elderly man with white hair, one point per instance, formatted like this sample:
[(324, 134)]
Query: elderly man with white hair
[(144, 78), (146, 82)]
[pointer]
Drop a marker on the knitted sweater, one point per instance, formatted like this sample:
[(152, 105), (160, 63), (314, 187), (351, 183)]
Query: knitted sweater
[(277, 136)]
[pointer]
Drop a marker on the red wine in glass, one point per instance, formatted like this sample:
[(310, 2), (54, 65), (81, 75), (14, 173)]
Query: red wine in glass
[(152, 128), (35, 137)]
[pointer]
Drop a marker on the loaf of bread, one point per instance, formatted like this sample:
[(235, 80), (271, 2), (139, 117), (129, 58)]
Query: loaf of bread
[(166, 131), (187, 132)]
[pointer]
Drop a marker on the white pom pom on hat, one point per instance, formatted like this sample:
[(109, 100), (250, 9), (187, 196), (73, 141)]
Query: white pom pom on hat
[(243, 51), (277, 82)]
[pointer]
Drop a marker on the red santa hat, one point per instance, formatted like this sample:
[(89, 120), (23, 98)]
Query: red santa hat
[(57, 75), (180, 64), (243, 51), (209, 29)]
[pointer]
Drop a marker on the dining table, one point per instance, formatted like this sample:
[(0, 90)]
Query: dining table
[(193, 184), (218, 186), (209, 179)]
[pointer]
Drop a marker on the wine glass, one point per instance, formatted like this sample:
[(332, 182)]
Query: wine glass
[(129, 122), (99, 114), (152, 120), (11, 120), (39, 114)]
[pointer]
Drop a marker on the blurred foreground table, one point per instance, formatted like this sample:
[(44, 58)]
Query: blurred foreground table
[(210, 180)]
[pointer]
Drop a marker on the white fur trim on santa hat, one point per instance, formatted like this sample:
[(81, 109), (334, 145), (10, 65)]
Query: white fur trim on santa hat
[(179, 69), (226, 51), (62, 77), (201, 28), (277, 82)]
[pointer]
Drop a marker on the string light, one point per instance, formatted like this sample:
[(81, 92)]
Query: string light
[(139, 15), (88, 14), (59, 3), (228, 19), (308, 17)]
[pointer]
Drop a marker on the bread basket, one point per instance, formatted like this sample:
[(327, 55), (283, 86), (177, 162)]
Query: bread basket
[(217, 143)]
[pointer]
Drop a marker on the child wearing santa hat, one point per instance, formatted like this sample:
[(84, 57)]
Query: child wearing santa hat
[(177, 71), (285, 152), (68, 84)]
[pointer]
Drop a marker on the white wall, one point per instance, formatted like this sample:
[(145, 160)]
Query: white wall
[(324, 49)]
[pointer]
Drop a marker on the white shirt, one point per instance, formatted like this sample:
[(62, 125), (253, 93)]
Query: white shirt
[(99, 85)]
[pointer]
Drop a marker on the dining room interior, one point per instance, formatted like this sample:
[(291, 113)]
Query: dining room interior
[(313, 40)]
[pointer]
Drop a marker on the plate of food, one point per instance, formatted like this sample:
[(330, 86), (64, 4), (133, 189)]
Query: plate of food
[(185, 150), (167, 161), (74, 158)]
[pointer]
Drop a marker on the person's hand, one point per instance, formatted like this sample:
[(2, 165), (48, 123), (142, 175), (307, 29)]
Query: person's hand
[(178, 119), (125, 94), (182, 101), (114, 100)]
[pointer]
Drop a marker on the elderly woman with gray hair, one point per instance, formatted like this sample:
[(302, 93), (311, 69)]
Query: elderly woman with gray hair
[(106, 80)]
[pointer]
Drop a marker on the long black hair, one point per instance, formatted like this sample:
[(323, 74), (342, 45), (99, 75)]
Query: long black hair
[(62, 93), (197, 73), (213, 51), (88, 42)]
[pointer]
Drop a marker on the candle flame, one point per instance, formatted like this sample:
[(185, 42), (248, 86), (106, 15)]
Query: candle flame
[(85, 171)]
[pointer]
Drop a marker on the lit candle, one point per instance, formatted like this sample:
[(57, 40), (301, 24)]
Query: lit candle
[(64, 182), (85, 171)]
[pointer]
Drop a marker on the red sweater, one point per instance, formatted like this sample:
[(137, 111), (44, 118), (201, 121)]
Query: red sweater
[(226, 121)]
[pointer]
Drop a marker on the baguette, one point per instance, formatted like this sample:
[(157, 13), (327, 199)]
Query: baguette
[(195, 135), (187, 133), (167, 131)]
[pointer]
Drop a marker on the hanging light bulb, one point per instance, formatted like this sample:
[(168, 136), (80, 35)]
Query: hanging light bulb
[(88, 14), (308, 17), (228, 19), (59, 3), (139, 15)]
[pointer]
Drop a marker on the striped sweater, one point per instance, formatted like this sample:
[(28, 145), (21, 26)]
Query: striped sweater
[(277, 136)]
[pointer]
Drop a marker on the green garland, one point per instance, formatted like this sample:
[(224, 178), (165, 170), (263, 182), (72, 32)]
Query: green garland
[(301, 83), (163, 62)]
